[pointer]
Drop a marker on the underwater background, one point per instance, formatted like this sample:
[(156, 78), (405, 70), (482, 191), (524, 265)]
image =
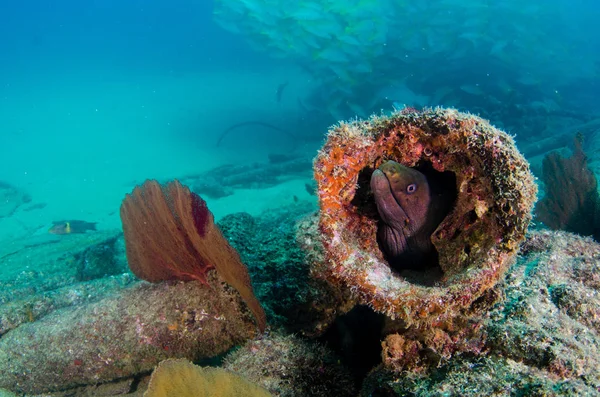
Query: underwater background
[(98, 96), (234, 98)]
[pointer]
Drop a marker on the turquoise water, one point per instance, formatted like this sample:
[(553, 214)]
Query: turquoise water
[(97, 96)]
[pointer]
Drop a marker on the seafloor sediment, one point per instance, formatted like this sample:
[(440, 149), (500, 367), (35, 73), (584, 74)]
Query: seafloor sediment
[(540, 337)]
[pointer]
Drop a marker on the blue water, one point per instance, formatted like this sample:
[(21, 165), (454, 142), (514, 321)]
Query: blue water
[(134, 36), (96, 96)]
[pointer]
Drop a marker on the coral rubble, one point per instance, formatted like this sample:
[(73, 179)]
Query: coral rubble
[(476, 242)]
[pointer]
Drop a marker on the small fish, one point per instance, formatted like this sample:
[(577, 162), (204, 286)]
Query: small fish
[(410, 212), (71, 226)]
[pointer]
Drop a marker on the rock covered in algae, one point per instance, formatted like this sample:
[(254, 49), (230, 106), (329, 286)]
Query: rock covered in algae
[(280, 272), (475, 377), (289, 366), (541, 339), (475, 243), (123, 335)]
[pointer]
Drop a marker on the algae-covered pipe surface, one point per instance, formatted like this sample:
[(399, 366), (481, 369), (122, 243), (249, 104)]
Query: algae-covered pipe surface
[(475, 242)]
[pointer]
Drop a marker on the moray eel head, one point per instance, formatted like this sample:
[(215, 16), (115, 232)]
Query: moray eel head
[(402, 196), (403, 199)]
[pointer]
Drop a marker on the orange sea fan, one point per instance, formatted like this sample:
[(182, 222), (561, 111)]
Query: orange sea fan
[(170, 235)]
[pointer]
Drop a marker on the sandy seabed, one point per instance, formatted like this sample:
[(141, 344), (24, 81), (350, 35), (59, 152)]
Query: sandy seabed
[(78, 142)]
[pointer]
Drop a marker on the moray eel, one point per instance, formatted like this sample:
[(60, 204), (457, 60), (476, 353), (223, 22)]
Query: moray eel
[(410, 210)]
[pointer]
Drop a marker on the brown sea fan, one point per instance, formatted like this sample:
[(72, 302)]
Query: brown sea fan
[(170, 235), (572, 202)]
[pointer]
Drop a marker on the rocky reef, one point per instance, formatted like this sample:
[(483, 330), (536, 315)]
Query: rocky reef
[(56, 340), (122, 335), (284, 283), (539, 339), (289, 366)]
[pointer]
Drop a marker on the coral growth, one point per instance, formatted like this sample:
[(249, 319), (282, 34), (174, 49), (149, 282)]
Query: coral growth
[(550, 318), (474, 377), (476, 242), (280, 271), (181, 378), (170, 235), (541, 339), (572, 202), (100, 260), (288, 366)]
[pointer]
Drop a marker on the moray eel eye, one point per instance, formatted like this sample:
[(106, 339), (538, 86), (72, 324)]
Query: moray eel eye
[(410, 189)]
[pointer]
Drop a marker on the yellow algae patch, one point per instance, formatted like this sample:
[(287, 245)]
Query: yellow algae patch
[(181, 378)]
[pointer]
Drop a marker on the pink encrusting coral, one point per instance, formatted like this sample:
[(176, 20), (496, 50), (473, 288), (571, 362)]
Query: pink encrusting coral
[(477, 240)]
